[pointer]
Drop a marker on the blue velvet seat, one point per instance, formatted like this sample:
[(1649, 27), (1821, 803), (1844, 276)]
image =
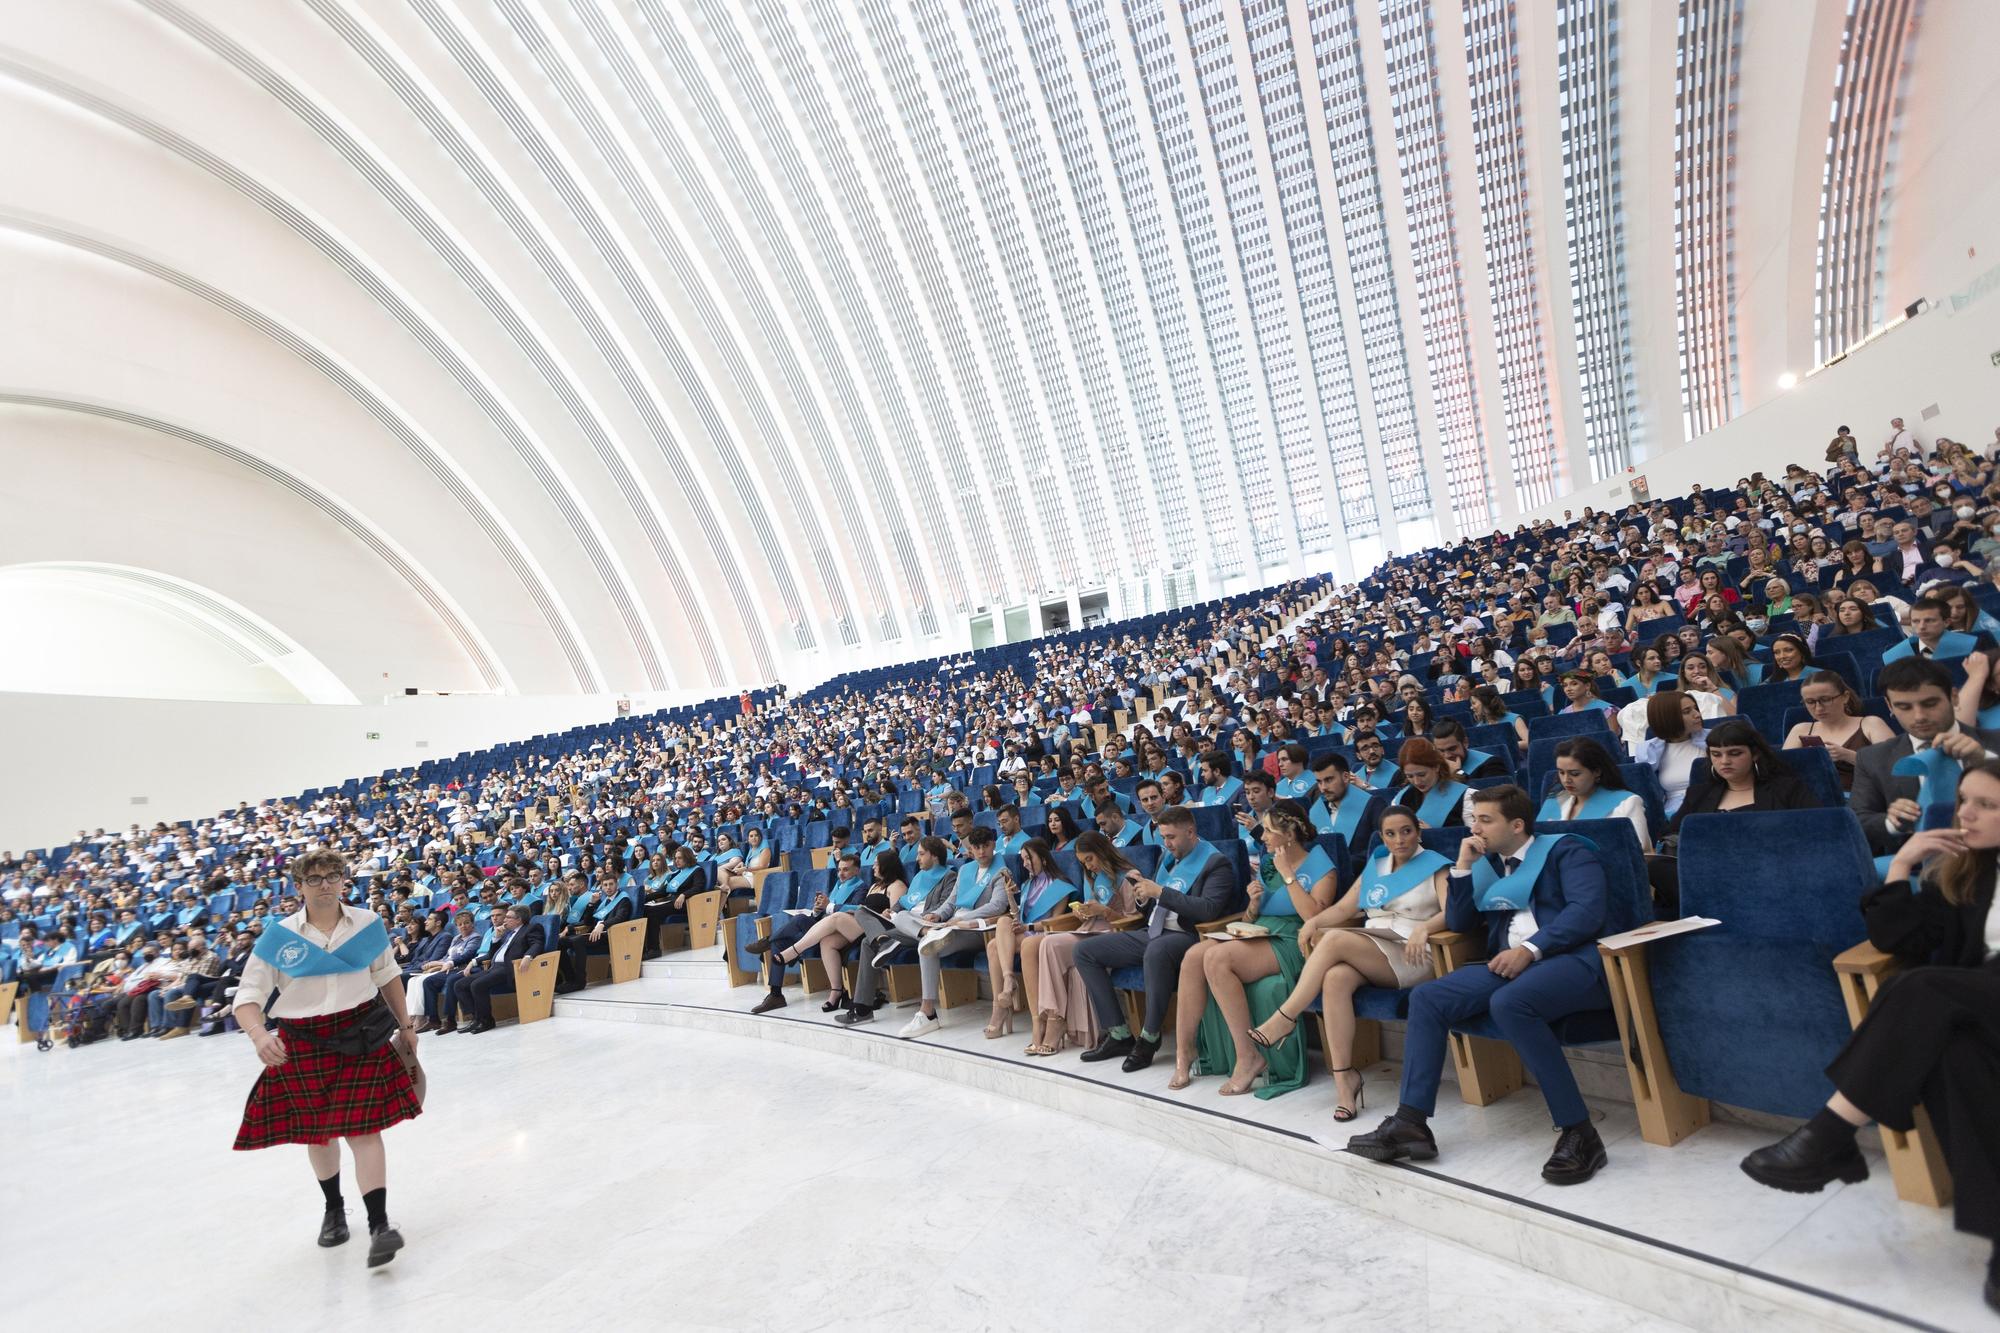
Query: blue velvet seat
[(1750, 1011)]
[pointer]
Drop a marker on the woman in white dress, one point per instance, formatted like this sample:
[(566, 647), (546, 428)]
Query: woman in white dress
[(1398, 901)]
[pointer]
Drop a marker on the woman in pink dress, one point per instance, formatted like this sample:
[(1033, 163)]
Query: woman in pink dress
[(1048, 973)]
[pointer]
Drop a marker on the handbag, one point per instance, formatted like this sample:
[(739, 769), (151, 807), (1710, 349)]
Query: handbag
[(367, 1033)]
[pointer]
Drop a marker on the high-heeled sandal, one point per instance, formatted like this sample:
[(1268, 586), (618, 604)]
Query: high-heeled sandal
[(1229, 1088), (1258, 1038), (1343, 1114), (837, 1000), (1000, 1027)]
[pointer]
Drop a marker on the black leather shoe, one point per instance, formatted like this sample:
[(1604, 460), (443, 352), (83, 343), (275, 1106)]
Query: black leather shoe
[(758, 947), (382, 1246), (774, 1000), (333, 1228), (1804, 1161), (1579, 1155), (1108, 1048), (1142, 1054), (444, 1029), (483, 1025), (859, 1014), (1394, 1140)]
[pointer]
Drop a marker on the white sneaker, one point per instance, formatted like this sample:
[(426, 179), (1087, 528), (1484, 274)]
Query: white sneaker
[(934, 943), (920, 1024)]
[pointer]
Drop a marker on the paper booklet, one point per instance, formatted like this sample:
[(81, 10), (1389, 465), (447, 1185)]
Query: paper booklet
[(1240, 930), (1659, 930)]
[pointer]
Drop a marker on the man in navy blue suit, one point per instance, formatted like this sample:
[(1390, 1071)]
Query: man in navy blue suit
[(1542, 904)]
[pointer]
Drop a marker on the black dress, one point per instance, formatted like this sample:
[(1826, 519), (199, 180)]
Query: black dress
[(1932, 1038)]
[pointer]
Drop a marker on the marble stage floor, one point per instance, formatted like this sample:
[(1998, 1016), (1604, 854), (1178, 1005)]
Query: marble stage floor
[(606, 1175), (1677, 1231)]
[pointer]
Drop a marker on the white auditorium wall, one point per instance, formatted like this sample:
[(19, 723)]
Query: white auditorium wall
[(1940, 358), (76, 762)]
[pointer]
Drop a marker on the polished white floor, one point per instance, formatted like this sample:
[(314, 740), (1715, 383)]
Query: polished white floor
[(1859, 1243), (577, 1174)]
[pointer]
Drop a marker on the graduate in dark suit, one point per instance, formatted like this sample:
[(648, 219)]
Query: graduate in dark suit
[(1541, 902), (1922, 697)]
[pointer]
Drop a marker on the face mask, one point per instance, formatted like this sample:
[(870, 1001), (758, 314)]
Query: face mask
[(1944, 559), (1757, 624), (1965, 511)]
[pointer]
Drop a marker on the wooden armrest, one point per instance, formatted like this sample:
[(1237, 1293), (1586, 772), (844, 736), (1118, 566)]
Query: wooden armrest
[(1865, 960), (762, 925), (1452, 949), (1059, 922), (1126, 922)]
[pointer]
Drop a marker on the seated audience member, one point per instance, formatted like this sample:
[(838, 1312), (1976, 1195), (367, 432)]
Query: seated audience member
[(1060, 829), (1790, 659), (1580, 689), (756, 851), (1043, 895), (732, 868), (1489, 710), (1227, 986), (1679, 737), (1932, 1036), (1649, 673), (1398, 898), (899, 924), (423, 989), (1195, 884), (520, 938), (173, 1010), (1699, 676), (1920, 695), (1341, 805), (440, 988), (1745, 773), (1466, 762), (1835, 723), (1591, 787), (1059, 1007), (787, 941), (1219, 785), (980, 895), (1966, 615), (1929, 636), (1113, 824), (1542, 903), (1429, 788)]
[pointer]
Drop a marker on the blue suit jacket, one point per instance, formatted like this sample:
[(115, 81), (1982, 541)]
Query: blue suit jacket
[(1570, 905)]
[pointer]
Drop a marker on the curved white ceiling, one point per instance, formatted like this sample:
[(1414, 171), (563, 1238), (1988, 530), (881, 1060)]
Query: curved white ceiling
[(661, 346)]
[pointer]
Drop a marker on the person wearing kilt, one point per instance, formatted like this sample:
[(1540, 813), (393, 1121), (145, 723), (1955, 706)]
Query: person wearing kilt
[(331, 1066)]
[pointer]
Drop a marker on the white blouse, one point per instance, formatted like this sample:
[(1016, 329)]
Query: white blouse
[(1402, 913), (309, 997)]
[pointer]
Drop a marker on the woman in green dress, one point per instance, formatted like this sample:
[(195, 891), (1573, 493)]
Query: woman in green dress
[(1229, 985)]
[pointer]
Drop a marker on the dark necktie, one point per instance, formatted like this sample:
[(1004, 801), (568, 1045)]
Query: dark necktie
[(1511, 864)]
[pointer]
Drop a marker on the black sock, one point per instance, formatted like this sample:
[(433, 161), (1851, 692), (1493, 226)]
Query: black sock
[(330, 1187), (1410, 1115), (1826, 1125), (377, 1203)]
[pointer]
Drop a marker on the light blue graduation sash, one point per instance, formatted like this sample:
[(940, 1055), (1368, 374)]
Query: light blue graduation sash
[(1598, 805), (608, 906), (1953, 644), (1127, 834), (1381, 775), (1097, 888), (972, 883), (1474, 759), (1346, 817), (1937, 785), (678, 880), (1494, 892), (1438, 803), (724, 858), (847, 892), (296, 956), (1989, 718), (1181, 875), (1278, 899), (127, 930), (1663, 681), (921, 885), (1293, 788), (1037, 903), (1012, 843), (1224, 794), (577, 906), (1381, 885)]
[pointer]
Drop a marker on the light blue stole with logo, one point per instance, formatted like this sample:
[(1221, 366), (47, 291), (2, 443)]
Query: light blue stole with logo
[(1495, 892), (1381, 886), (972, 883), (1598, 805), (1953, 644), (921, 885), (1223, 794), (846, 892), (1346, 817), (296, 956), (578, 906), (1278, 901), (1438, 803)]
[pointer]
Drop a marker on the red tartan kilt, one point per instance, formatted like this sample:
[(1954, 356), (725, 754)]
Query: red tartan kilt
[(318, 1095)]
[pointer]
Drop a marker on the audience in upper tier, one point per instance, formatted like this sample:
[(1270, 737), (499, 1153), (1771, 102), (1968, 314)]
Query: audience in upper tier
[(1090, 817)]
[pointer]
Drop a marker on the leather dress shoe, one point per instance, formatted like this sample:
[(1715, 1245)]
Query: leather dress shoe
[(382, 1246), (333, 1228), (1579, 1155), (1394, 1140), (1108, 1048), (774, 1000), (758, 947), (1142, 1054), (483, 1025), (444, 1029), (1805, 1161)]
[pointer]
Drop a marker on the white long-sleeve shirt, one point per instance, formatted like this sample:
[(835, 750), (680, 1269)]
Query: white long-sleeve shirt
[(309, 997)]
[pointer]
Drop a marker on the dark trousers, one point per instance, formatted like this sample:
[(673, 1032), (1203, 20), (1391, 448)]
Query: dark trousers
[(131, 1013), (1932, 1038), (1523, 1009), (495, 980), (1100, 955), (441, 996), (785, 932)]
